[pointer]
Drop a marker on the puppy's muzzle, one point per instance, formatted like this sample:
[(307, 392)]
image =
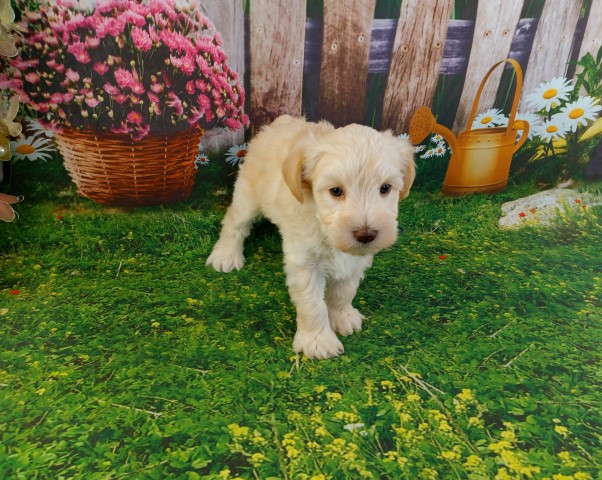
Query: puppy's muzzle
[(365, 235)]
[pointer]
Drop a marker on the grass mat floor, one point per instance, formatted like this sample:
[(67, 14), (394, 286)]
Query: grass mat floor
[(123, 356)]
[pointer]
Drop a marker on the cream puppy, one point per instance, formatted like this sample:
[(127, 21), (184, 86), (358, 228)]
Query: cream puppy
[(333, 193)]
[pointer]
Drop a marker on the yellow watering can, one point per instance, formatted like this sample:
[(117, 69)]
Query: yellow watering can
[(481, 158)]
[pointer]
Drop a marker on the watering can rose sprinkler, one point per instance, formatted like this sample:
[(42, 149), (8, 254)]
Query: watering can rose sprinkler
[(481, 158)]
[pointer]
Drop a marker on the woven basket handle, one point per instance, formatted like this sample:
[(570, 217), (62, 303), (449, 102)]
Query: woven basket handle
[(519, 86)]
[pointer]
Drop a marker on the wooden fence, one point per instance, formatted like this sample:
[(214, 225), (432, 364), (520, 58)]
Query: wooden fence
[(321, 66)]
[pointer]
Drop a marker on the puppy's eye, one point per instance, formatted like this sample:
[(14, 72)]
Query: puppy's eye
[(385, 189), (336, 192)]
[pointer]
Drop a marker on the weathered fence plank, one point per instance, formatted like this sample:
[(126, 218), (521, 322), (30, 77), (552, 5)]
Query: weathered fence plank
[(552, 43), (494, 30), (416, 60), (592, 37), (345, 49), (277, 38), (229, 19)]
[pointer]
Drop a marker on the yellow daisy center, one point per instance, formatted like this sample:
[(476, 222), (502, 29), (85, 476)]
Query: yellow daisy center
[(486, 120), (550, 93), (25, 149), (552, 129), (576, 113)]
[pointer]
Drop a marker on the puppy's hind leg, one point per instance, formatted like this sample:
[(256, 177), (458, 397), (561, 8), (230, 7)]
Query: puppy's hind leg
[(227, 253)]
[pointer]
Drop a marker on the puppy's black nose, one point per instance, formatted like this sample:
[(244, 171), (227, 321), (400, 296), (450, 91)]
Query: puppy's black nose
[(365, 235)]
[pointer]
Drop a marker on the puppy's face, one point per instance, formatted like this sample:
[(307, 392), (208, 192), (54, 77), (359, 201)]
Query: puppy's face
[(357, 177)]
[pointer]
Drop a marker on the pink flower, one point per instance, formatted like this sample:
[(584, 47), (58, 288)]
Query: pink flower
[(152, 97), (195, 116), (233, 124), (188, 65), (123, 128), (101, 68), (135, 18), (135, 117), (190, 88), (72, 75), (110, 89), (78, 50), (140, 132), (120, 98), (92, 102), (138, 88), (156, 87), (92, 42), (32, 77), (141, 39), (175, 103), (124, 78), (56, 98)]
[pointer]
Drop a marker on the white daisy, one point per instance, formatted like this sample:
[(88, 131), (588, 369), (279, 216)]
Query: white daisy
[(439, 149), (405, 136), (236, 154), (491, 118), (437, 139), (420, 148), (37, 129), (201, 160), (551, 130), (579, 112), (533, 121), (31, 148), (549, 94), (428, 154)]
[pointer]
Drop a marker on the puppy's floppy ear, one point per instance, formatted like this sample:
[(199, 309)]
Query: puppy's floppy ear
[(408, 167), (296, 164)]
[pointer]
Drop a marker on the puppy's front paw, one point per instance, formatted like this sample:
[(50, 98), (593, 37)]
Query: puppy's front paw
[(321, 344), (225, 259), (346, 320)]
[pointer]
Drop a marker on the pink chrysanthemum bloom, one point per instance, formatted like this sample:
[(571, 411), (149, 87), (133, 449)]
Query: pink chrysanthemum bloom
[(124, 78), (142, 40), (101, 68)]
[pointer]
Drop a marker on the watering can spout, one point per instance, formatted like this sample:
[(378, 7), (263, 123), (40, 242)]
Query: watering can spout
[(423, 123)]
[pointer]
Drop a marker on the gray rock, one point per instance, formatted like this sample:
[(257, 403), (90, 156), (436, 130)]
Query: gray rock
[(542, 207)]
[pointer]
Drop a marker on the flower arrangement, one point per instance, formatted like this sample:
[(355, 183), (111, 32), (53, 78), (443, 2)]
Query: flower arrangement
[(126, 66)]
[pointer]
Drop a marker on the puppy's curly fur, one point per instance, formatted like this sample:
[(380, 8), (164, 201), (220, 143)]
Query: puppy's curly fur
[(333, 193)]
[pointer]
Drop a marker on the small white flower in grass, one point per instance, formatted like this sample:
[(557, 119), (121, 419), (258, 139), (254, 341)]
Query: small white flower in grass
[(236, 154), (551, 130), (31, 148), (420, 148), (579, 112), (202, 160), (549, 94), (437, 138), (37, 129), (491, 118), (355, 426)]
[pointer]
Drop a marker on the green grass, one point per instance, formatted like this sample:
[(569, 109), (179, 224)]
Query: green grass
[(123, 356)]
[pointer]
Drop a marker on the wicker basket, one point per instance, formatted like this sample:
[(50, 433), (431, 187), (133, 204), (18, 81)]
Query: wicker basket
[(115, 170)]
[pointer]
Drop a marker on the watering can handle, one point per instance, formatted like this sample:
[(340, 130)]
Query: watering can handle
[(519, 86), (524, 126)]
